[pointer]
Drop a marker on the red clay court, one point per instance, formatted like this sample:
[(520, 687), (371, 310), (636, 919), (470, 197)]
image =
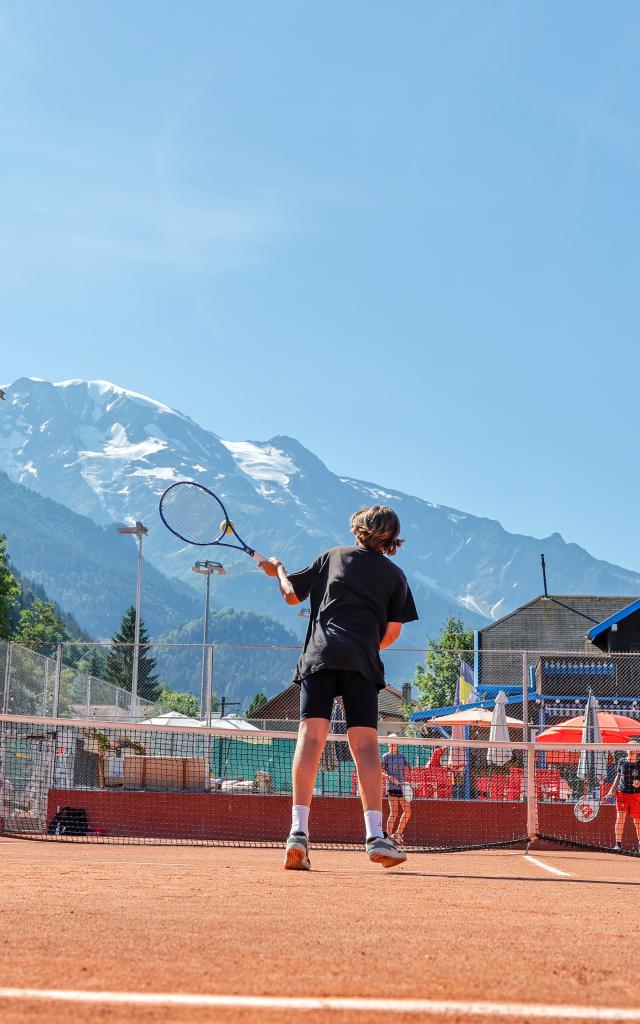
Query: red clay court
[(435, 939)]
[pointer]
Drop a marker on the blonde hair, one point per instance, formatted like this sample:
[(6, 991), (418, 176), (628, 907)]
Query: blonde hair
[(377, 527)]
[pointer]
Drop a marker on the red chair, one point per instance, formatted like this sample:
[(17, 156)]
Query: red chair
[(483, 784), (548, 784), (516, 784)]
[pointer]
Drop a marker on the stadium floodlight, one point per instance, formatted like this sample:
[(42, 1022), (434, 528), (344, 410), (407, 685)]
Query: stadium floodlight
[(138, 531), (206, 569)]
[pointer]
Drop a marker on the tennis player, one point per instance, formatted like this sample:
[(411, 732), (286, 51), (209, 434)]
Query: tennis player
[(394, 767), (359, 600), (626, 787)]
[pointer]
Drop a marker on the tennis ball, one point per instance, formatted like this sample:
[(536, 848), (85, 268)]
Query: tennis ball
[(226, 526)]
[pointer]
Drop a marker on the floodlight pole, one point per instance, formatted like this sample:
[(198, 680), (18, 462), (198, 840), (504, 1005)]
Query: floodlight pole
[(206, 569), (138, 531)]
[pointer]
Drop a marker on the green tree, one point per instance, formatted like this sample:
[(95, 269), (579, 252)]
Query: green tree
[(119, 667), (95, 665), (185, 703), (40, 628), (435, 681), (258, 701), (9, 591)]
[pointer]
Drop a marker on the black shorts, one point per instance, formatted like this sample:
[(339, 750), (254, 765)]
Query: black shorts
[(399, 793), (359, 696)]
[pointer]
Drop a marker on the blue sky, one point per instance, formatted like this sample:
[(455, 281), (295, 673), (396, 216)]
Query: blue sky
[(406, 234)]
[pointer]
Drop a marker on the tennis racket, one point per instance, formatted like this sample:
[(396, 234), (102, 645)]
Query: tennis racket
[(407, 791), (196, 515)]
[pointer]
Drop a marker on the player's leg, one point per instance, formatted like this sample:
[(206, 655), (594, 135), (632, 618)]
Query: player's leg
[(363, 742), (635, 814), (394, 812), (316, 702), (312, 736), (360, 698), (405, 806), (621, 817)]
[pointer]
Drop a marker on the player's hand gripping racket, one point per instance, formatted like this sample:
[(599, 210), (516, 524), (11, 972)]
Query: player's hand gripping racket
[(196, 515)]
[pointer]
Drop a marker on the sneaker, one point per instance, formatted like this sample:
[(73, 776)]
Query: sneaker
[(384, 851), (296, 856), (618, 848)]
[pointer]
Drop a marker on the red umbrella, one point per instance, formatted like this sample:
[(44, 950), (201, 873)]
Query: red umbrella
[(614, 729)]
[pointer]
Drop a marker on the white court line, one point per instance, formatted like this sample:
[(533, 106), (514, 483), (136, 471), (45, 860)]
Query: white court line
[(433, 1007), (547, 867)]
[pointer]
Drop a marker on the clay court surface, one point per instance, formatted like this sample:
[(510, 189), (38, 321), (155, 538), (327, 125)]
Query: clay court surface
[(470, 927)]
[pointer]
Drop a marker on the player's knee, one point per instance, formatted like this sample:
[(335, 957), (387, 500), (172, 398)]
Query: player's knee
[(313, 732), (364, 742)]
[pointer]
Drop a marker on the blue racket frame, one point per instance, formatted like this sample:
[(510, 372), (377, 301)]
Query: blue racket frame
[(219, 542)]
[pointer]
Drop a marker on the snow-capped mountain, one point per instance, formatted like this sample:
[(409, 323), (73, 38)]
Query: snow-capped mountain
[(109, 453)]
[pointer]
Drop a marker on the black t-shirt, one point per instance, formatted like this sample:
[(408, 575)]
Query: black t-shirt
[(629, 773), (353, 592)]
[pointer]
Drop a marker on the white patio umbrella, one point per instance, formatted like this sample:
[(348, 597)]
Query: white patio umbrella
[(499, 732), (455, 758), (174, 718), (592, 766)]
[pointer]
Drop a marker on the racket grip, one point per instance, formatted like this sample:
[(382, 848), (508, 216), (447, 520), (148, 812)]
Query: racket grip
[(263, 563)]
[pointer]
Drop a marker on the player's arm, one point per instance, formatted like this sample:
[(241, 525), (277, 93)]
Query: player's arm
[(286, 588), (392, 633), (614, 785)]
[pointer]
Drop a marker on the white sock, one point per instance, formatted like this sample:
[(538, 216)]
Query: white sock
[(300, 819), (373, 824)]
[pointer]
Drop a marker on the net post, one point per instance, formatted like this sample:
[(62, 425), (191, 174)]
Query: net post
[(532, 796), (7, 680), (56, 682)]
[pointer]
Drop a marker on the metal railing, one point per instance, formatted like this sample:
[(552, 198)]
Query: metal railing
[(33, 682), (93, 681)]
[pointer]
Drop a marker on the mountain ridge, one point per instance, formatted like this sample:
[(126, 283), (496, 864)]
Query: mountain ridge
[(108, 453)]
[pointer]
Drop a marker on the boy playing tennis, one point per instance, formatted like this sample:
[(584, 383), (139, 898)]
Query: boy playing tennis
[(359, 601)]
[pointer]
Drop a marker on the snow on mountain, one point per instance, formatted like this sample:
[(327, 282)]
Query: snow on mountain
[(109, 453), (262, 462)]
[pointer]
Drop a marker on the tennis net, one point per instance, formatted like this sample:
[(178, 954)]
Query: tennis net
[(115, 783)]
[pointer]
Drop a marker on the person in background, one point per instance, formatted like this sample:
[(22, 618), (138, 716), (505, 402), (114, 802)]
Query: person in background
[(626, 788), (394, 767)]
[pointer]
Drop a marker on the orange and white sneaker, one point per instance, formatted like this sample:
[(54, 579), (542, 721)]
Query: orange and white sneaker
[(383, 850), (296, 857)]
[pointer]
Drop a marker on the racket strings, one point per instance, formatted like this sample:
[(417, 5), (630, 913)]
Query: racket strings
[(193, 513)]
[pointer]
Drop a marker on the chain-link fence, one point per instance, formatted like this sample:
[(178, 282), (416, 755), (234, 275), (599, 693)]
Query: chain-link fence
[(535, 690), (61, 684)]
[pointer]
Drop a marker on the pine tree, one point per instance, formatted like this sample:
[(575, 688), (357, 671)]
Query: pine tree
[(9, 591), (119, 668), (258, 701), (95, 667)]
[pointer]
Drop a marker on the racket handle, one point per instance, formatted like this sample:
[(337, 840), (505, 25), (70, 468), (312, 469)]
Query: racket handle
[(265, 564)]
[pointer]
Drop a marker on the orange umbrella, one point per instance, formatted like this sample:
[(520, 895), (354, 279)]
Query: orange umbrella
[(472, 716), (614, 729)]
